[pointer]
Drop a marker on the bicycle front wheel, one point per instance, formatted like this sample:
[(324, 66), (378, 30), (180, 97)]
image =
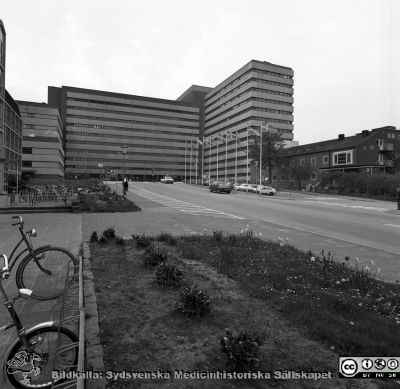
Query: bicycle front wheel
[(53, 352), (47, 271)]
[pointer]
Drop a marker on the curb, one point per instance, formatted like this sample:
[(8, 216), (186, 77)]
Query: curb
[(393, 211), (93, 346), (17, 209)]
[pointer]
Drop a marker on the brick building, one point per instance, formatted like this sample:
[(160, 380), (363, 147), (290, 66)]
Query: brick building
[(371, 151)]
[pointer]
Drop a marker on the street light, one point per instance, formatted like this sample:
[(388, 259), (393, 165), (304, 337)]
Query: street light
[(124, 148)]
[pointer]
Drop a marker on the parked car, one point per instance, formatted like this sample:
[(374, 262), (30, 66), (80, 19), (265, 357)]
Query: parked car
[(220, 187), (167, 180), (252, 188), (243, 187), (266, 190)]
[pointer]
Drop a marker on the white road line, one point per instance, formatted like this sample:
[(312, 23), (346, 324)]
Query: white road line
[(322, 198), (347, 206), (332, 237), (183, 206), (393, 225)]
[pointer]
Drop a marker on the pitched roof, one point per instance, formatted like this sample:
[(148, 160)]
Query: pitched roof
[(335, 144)]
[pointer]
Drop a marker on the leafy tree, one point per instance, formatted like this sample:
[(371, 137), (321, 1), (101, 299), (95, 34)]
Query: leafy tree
[(301, 172), (272, 150)]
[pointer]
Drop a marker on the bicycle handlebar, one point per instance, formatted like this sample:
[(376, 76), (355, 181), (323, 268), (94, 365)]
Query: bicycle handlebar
[(21, 221)]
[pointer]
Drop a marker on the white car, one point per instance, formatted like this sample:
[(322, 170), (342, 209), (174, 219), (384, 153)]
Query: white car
[(266, 190), (253, 188), (242, 187), (167, 180)]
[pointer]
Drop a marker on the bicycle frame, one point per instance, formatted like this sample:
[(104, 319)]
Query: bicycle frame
[(29, 247), (16, 321)]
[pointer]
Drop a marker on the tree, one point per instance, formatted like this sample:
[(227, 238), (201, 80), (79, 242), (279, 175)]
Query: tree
[(272, 150), (301, 172)]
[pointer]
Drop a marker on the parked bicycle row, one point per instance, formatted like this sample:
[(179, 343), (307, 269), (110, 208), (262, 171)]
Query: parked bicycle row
[(34, 194), (43, 273)]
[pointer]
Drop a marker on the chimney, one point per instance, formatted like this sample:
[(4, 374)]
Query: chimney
[(341, 137), (364, 133)]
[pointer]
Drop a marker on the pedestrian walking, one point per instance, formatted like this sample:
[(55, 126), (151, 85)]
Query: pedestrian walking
[(125, 187)]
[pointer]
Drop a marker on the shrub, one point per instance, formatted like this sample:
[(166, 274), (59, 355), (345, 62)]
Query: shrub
[(153, 256), (119, 240), (142, 241), (167, 238), (242, 351), (109, 233), (168, 275), (218, 235), (94, 237), (194, 302), (103, 239)]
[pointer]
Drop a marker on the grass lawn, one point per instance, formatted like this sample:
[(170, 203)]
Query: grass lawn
[(308, 308)]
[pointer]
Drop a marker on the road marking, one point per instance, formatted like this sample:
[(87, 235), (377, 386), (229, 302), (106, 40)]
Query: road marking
[(183, 206), (323, 198), (347, 206), (331, 237), (392, 225)]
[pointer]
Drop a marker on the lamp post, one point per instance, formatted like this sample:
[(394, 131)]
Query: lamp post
[(86, 164), (185, 160), (124, 148)]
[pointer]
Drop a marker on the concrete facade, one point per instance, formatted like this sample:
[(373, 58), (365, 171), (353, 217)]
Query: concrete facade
[(12, 144), (43, 155), (2, 105), (10, 129), (259, 92), (112, 134)]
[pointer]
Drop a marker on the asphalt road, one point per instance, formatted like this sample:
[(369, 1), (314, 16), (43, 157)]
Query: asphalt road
[(363, 229)]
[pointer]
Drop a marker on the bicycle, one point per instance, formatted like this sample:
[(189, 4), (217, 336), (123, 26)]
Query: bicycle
[(54, 263), (38, 351)]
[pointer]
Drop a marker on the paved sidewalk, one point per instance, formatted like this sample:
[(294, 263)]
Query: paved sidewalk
[(64, 230)]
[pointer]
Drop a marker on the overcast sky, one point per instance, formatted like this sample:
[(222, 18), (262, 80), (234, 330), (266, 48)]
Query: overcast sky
[(345, 53)]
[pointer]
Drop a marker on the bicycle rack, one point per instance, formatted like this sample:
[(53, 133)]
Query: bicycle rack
[(72, 316)]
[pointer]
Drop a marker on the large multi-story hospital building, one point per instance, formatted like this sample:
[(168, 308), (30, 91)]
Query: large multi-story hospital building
[(118, 134), (146, 138)]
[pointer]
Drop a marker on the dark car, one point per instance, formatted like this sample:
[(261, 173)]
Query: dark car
[(220, 187)]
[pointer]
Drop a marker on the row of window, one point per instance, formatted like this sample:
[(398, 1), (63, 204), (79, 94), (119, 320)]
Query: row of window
[(29, 164), (250, 109), (120, 136), (245, 121), (123, 136), (136, 146), (125, 112), (338, 158), (245, 75), (12, 119), (128, 164), (102, 119), (105, 143), (12, 140), (113, 159), (287, 111), (252, 80), (148, 170), (132, 122), (147, 107)]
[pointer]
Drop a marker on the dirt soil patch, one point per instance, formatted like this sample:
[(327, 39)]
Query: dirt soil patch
[(142, 330)]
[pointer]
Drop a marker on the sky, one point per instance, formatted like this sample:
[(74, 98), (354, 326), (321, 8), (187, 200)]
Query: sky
[(345, 53)]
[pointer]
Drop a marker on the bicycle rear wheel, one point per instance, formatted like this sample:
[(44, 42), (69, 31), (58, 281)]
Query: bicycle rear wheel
[(46, 271), (53, 350)]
